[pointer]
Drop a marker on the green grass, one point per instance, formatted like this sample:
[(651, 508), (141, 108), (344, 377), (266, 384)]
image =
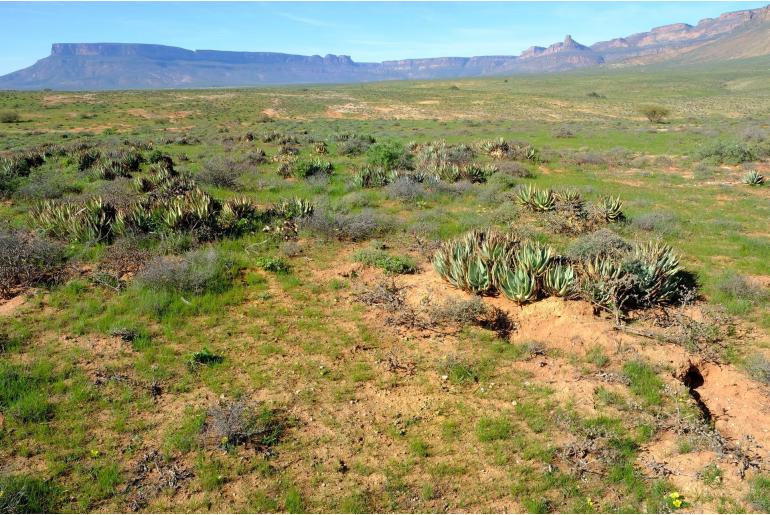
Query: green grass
[(490, 429), (29, 494), (644, 382), (759, 496)]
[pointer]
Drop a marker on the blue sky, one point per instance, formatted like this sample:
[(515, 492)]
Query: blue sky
[(367, 31)]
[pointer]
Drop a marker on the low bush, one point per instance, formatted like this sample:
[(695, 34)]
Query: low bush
[(587, 159), (755, 135), (406, 189), (727, 152), (661, 223), (655, 113), (44, 186), (197, 272), (514, 169), (353, 145), (239, 423), (390, 156), (736, 287), (346, 227), (385, 261), (26, 260), (221, 173), (315, 167), (603, 242), (563, 132), (758, 367), (9, 117)]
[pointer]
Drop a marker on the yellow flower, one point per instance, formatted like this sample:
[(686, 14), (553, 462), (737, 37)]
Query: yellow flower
[(674, 495), (94, 453), (677, 503)]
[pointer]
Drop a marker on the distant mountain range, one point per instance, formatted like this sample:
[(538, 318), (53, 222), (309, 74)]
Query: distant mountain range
[(100, 66)]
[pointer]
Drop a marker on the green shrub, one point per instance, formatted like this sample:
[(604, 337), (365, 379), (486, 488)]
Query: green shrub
[(305, 169), (727, 152), (9, 117), (655, 113), (387, 262), (458, 371), (390, 156), (272, 264), (204, 357)]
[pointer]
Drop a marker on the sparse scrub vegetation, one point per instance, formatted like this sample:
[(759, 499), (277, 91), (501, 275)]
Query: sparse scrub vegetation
[(495, 268)]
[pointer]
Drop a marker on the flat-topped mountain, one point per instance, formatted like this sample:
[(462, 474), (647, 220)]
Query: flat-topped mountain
[(95, 66)]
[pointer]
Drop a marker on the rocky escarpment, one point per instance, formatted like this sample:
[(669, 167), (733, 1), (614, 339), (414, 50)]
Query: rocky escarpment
[(94, 66)]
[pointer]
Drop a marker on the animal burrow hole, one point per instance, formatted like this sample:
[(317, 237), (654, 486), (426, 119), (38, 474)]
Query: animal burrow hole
[(693, 379)]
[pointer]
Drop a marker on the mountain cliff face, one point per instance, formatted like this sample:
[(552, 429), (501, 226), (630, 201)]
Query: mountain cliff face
[(95, 66)]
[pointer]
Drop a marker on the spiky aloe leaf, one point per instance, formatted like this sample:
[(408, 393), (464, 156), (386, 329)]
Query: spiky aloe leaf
[(478, 278), (525, 195), (533, 257), (543, 200), (519, 285), (657, 267), (560, 280), (611, 209)]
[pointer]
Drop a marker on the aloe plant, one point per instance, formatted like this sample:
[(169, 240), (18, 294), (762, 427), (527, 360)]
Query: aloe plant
[(536, 199), (543, 200), (611, 209), (92, 221), (656, 266), (753, 178), (560, 280), (292, 208), (475, 261), (371, 177), (569, 196), (533, 257), (525, 195), (519, 285)]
